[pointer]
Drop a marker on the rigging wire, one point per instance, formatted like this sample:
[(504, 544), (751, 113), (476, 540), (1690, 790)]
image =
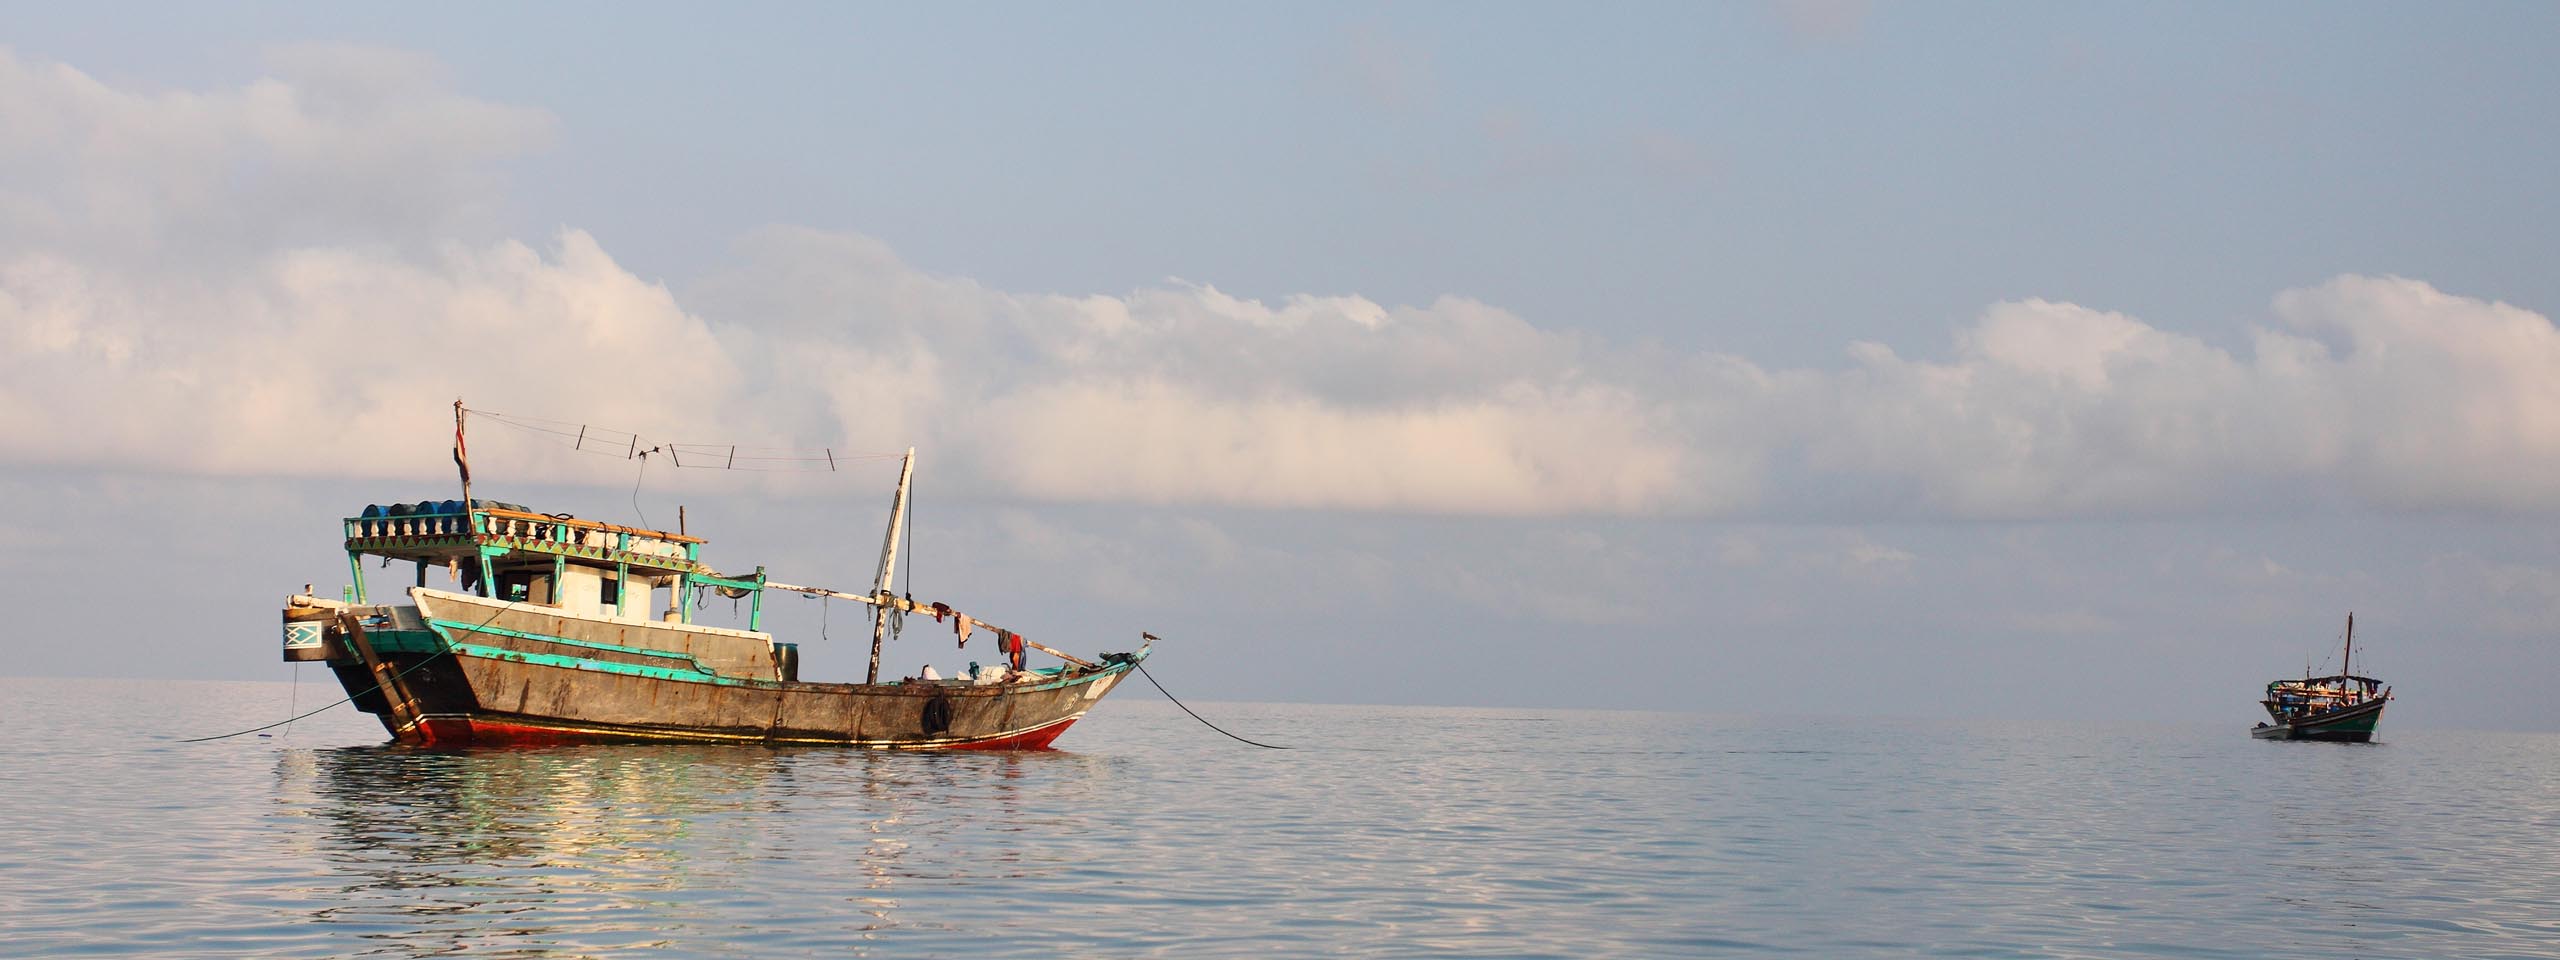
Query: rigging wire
[(1204, 721), (635, 491), (598, 441)]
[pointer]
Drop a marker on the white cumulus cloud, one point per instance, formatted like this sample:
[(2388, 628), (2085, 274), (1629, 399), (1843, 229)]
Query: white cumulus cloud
[(341, 145), (272, 279)]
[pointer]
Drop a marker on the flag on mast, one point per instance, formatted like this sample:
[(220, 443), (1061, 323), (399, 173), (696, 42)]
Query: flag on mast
[(461, 459)]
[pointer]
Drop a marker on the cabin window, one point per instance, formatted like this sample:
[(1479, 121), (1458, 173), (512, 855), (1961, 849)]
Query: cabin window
[(526, 586), (608, 592)]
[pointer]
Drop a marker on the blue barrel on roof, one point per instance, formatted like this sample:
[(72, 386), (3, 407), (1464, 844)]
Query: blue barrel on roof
[(371, 511)]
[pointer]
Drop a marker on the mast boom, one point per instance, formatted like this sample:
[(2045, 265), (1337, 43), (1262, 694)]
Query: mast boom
[(889, 563)]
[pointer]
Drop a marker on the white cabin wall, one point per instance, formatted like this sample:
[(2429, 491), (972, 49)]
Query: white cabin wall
[(644, 598), (635, 601), (581, 592)]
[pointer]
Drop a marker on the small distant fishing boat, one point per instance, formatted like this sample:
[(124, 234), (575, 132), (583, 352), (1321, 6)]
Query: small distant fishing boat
[(571, 630), (2342, 707)]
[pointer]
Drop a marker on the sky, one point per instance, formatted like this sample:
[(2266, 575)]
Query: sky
[(1985, 360)]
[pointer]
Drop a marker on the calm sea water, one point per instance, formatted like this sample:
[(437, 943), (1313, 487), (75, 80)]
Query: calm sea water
[(1387, 832)]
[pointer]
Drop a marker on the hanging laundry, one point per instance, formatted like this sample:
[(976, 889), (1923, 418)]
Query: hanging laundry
[(964, 627), (941, 610)]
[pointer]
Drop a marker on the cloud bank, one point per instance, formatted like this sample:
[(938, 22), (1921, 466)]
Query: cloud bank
[(270, 279)]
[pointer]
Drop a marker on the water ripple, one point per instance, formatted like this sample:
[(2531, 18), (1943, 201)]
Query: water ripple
[(1389, 833)]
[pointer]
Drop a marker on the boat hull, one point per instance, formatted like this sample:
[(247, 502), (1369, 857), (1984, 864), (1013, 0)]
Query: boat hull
[(467, 699), (474, 672), (2351, 725), (501, 730)]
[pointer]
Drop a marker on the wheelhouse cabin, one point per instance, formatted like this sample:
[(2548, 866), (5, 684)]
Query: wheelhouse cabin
[(583, 568)]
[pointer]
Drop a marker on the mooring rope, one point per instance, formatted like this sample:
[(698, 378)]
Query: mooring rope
[(431, 658), (1204, 721), (294, 700)]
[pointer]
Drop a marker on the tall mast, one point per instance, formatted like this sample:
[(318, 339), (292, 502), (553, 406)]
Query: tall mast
[(2347, 660), (889, 563)]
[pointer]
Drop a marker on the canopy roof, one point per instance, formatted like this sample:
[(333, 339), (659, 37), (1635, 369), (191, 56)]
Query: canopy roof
[(442, 531), (2330, 679)]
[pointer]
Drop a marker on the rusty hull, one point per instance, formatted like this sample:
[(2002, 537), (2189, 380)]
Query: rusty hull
[(466, 670)]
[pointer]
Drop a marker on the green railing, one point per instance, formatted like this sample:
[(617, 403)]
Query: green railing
[(589, 540)]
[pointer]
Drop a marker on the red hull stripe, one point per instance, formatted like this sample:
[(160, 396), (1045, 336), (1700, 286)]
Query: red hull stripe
[(459, 730)]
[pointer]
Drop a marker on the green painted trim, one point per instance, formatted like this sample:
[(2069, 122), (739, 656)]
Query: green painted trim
[(409, 547), (411, 539), (698, 673), (596, 554), (1112, 671), (689, 659), (355, 564), (566, 662), (404, 641), (680, 676), (2357, 724)]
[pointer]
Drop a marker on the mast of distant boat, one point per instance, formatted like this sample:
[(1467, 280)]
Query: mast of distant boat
[(2347, 660), (889, 564)]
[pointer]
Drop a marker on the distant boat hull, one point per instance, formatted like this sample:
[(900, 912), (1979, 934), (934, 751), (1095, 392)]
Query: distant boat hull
[(2352, 724)]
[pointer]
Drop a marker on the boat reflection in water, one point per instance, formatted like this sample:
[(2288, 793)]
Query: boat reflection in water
[(604, 847)]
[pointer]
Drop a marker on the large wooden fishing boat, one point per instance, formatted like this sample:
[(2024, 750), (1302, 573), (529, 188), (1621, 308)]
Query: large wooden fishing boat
[(2340, 707), (569, 630)]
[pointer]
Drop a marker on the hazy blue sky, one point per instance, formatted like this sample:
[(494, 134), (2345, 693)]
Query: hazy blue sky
[(1996, 359)]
